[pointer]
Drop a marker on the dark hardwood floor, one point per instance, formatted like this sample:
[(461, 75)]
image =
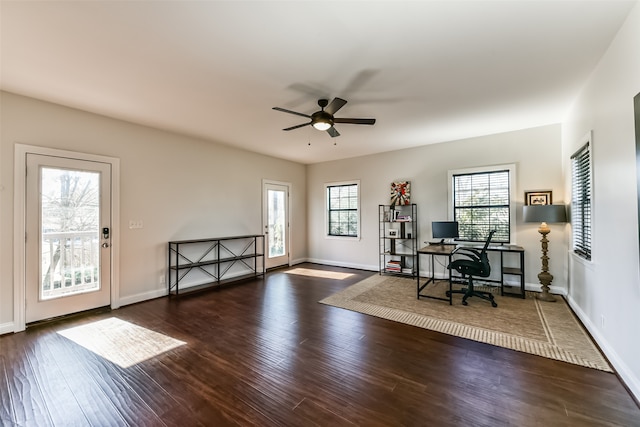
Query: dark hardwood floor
[(266, 353)]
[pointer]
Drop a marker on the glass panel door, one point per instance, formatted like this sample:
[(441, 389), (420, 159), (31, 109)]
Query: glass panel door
[(276, 224), (68, 245)]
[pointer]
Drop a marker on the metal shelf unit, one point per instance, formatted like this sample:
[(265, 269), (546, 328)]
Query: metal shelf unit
[(204, 263), (398, 239)]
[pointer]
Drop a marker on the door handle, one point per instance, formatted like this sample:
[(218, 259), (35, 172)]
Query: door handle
[(105, 245)]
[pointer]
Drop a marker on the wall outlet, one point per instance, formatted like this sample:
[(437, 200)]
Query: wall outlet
[(162, 279), (136, 223)]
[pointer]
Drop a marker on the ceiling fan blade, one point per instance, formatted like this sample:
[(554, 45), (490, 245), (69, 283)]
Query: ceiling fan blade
[(355, 121), (333, 132), (291, 112), (335, 105), (298, 126)]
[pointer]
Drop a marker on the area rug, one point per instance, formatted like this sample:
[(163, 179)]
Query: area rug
[(120, 342), (528, 325)]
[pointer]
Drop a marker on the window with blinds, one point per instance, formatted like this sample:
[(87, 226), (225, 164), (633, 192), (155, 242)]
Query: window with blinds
[(343, 210), (481, 204), (581, 201)]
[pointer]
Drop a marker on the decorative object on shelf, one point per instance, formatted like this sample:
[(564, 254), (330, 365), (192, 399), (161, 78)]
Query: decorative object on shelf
[(393, 233), (401, 193), (537, 198), (544, 214)]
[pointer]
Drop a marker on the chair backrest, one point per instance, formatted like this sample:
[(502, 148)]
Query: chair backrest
[(485, 271), (486, 244)]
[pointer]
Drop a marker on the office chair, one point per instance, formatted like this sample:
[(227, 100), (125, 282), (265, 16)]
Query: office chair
[(477, 265)]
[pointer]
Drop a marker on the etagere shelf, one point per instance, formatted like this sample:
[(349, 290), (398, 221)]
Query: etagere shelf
[(203, 263), (398, 239)]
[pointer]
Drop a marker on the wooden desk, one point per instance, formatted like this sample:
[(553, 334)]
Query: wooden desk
[(449, 252)]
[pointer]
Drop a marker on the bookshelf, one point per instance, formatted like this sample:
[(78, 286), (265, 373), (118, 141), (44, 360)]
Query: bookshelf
[(398, 239)]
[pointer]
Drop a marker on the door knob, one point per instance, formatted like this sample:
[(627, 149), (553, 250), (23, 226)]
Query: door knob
[(105, 245)]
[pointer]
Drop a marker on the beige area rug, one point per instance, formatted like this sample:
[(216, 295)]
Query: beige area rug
[(120, 342), (528, 325)]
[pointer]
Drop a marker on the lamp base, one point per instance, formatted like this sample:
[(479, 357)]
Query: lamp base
[(545, 296), (545, 277)]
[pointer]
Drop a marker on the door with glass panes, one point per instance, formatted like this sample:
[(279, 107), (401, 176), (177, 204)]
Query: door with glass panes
[(276, 224)]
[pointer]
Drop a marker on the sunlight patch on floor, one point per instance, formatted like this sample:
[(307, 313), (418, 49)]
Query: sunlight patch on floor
[(120, 342), (319, 273)]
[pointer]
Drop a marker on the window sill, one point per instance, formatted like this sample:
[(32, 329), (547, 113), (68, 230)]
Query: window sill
[(589, 264), (342, 237)]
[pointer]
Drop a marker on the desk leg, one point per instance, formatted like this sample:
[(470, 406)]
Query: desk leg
[(501, 273), (432, 279), (418, 276), (522, 294), (450, 281)]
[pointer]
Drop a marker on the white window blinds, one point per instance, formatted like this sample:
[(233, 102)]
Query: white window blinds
[(581, 201), (481, 204)]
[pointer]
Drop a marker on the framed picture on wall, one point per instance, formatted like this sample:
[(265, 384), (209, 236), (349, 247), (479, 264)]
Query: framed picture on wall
[(537, 198), (400, 193)]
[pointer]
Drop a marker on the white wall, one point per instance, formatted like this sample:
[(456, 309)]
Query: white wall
[(180, 187), (536, 153), (606, 291)]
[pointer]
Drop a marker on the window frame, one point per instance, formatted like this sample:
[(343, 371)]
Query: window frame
[(328, 210), (578, 216), (511, 169)]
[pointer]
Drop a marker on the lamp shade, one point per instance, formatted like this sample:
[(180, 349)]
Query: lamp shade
[(544, 213)]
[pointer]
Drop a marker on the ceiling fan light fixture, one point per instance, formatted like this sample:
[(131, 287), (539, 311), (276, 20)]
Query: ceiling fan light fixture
[(322, 125), (324, 120)]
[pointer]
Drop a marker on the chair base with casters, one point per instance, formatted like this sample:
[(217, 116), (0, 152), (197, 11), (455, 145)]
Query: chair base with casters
[(470, 291), (476, 264)]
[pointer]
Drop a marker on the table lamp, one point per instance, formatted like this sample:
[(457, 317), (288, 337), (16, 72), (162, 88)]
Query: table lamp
[(544, 214)]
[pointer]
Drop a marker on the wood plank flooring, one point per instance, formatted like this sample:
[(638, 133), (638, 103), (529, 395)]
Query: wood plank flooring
[(265, 353)]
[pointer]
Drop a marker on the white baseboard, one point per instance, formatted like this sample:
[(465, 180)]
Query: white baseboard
[(626, 374), (537, 287), (144, 296), (7, 328), (343, 264)]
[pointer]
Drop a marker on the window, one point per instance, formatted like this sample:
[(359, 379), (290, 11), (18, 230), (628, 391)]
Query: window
[(343, 209), (481, 202), (581, 201)]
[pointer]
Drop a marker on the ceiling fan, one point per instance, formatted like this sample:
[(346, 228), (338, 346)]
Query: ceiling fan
[(324, 120)]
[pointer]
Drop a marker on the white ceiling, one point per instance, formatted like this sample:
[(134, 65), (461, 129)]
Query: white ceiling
[(428, 71)]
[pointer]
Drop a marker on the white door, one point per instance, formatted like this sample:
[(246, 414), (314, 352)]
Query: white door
[(276, 224), (68, 238)]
